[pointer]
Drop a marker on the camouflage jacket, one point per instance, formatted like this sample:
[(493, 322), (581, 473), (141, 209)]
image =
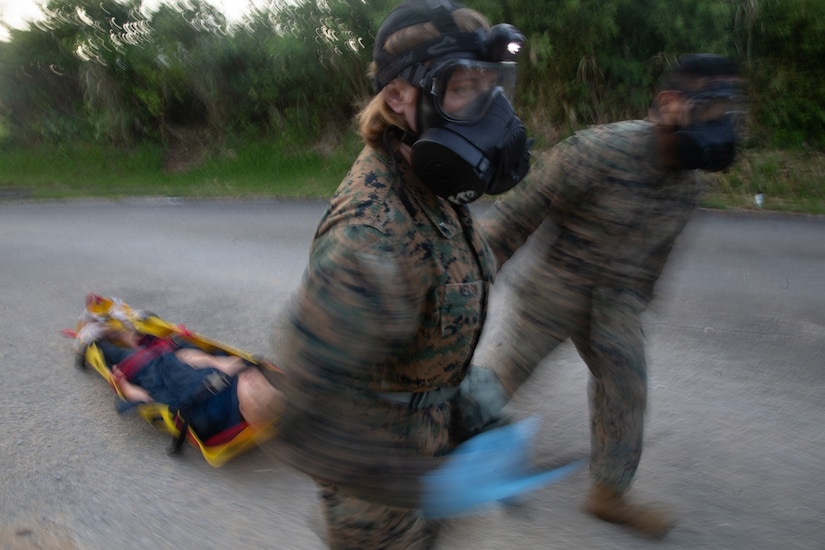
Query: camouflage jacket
[(615, 211), (393, 300)]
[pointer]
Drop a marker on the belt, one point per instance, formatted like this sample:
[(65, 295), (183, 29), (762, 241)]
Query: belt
[(420, 400)]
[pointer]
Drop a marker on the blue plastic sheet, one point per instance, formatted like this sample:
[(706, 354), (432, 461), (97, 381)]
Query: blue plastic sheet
[(492, 466)]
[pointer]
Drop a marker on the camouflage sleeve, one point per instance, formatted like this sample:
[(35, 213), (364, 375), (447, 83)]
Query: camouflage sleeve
[(645, 283), (516, 215), (358, 303)]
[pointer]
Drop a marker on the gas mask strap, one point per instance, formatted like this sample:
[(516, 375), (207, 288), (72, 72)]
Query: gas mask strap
[(409, 138), (441, 16)]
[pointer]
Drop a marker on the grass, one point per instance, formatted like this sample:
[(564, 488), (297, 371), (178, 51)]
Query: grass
[(82, 171), (790, 181)]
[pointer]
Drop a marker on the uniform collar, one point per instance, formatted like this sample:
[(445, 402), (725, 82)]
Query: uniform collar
[(450, 219), (441, 212)]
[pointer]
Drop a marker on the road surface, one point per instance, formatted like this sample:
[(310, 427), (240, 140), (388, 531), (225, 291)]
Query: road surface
[(735, 437)]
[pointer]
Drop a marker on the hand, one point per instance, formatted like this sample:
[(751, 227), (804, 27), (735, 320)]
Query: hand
[(482, 397), (129, 391)]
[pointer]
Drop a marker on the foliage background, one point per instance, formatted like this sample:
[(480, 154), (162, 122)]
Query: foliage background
[(179, 80)]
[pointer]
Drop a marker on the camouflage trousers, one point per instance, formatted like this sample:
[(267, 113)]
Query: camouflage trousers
[(604, 325), (354, 523)]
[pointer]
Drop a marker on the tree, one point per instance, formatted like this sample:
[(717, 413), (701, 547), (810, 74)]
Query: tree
[(106, 70)]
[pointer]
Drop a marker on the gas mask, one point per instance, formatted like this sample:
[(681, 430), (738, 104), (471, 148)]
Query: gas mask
[(709, 146), (709, 142), (469, 140)]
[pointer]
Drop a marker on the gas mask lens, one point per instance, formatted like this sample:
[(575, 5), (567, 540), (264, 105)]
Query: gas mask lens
[(728, 109), (718, 100), (712, 108), (464, 89)]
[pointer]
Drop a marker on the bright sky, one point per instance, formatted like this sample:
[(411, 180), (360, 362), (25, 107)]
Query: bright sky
[(16, 13)]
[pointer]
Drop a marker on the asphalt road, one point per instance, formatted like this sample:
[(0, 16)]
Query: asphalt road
[(735, 438)]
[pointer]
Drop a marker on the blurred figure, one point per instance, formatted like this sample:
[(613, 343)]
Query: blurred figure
[(213, 392), (382, 329), (616, 197)]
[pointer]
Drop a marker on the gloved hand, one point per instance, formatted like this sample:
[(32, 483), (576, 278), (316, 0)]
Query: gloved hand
[(492, 466), (480, 402)]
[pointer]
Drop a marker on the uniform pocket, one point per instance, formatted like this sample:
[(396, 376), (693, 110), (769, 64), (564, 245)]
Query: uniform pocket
[(461, 308)]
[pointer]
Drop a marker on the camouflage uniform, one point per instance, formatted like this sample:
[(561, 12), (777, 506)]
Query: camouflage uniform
[(613, 213), (392, 301)]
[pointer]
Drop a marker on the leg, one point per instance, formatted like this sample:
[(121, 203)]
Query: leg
[(355, 524), (544, 309), (618, 398), (362, 523), (614, 353)]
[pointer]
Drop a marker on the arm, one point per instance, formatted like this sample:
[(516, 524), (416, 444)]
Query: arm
[(356, 306), (516, 215), (655, 263), (131, 392), (199, 359)]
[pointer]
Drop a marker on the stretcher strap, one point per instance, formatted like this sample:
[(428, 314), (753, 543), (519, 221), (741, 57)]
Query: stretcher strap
[(138, 359)]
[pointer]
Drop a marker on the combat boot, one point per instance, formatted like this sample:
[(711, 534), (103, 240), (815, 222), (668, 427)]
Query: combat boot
[(611, 505)]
